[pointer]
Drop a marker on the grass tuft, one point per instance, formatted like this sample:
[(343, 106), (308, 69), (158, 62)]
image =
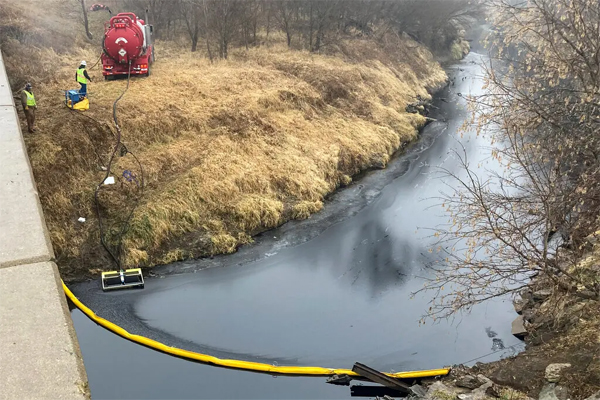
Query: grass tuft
[(304, 209)]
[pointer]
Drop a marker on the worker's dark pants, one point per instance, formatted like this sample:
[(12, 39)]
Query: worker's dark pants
[(30, 115), (83, 90)]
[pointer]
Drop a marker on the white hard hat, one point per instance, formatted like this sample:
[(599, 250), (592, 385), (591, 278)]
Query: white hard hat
[(83, 63)]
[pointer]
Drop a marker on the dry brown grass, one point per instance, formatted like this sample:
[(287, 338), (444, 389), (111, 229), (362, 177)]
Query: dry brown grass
[(229, 149)]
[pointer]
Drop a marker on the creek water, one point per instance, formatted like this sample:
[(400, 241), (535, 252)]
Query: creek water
[(328, 291)]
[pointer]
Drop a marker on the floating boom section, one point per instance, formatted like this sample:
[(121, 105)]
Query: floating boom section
[(237, 364)]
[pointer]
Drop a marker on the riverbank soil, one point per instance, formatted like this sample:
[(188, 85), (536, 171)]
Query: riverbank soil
[(561, 330), (228, 149), (560, 327)]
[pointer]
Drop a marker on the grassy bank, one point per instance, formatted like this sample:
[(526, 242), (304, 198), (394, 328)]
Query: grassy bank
[(229, 149)]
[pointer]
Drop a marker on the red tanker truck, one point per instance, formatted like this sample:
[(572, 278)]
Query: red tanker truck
[(127, 39)]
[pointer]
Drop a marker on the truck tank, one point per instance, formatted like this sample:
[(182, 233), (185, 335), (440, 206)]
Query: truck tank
[(127, 39)]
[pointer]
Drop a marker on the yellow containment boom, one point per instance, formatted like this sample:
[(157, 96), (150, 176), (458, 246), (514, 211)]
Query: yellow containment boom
[(237, 364)]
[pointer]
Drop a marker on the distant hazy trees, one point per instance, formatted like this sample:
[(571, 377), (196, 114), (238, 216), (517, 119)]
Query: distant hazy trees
[(307, 24)]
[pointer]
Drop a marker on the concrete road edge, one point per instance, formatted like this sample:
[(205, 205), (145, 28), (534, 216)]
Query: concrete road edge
[(40, 356)]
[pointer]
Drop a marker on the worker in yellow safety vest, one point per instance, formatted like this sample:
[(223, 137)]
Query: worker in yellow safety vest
[(29, 107), (82, 77)]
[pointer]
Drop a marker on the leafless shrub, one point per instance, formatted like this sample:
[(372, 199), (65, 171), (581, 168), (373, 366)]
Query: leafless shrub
[(542, 109)]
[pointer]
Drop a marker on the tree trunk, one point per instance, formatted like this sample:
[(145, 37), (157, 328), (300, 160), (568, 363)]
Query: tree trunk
[(268, 22), (85, 21), (310, 36), (286, 26), (206, 31), (224, 44), (195, 35), (210, 56), (317, 41)]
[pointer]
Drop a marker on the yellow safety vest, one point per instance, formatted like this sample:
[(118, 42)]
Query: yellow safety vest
[(30, 99), (81, 77)]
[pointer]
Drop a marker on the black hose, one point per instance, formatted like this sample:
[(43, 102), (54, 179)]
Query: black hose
[(125, 226), (96, 63), (115, 258)]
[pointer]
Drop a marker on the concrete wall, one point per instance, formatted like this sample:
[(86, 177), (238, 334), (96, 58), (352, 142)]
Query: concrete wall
[(39, 352)]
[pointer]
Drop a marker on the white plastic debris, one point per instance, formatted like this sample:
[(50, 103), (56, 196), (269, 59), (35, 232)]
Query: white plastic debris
[(110, 180), (81, 219)]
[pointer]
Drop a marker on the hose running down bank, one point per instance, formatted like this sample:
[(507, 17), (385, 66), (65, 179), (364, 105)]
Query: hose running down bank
[(237, 364)]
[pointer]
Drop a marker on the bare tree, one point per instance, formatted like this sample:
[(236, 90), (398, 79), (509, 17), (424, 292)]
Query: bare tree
[(267, 11), (323, 14), (206, 30), (543, 106), (160, 15), (285, 11), (249, 12), (191, 12), (321, 23), (223, 16)]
